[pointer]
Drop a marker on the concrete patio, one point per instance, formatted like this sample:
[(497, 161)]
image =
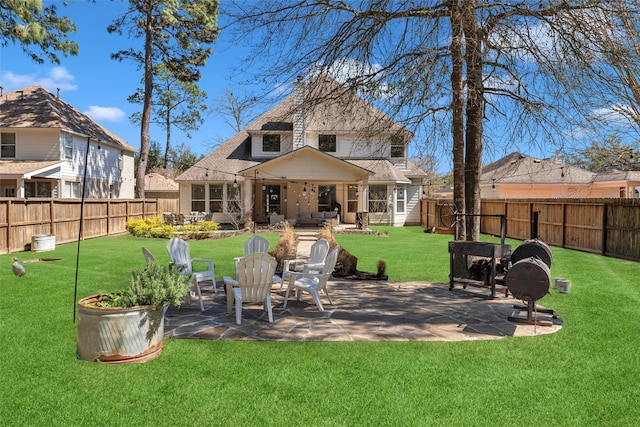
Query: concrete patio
[(371, 310), (362, 311)]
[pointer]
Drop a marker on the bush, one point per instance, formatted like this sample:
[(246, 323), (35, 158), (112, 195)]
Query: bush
[(156, 285), (150, 227), (199, 230)]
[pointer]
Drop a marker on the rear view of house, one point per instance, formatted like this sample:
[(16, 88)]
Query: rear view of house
[(46, 143), (322, 150)]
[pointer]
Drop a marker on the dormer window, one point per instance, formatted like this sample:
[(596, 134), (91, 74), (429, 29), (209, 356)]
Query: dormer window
[(397, 146), (271, 143), (327, 143)]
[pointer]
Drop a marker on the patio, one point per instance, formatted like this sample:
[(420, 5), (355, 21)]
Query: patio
[(362, 311)]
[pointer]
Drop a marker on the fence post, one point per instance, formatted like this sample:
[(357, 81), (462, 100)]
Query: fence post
[(603, 249)]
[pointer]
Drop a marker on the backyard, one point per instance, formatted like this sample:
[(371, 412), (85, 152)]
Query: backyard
[(584, 374)]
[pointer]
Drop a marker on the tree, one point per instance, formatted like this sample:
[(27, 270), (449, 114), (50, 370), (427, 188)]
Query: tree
[(175, 103), (33, 26), (182, 158), (176, 33), (600, 156), (461, 61), (234, 107)]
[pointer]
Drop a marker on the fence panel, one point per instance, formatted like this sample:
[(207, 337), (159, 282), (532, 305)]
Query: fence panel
[(550, 222), (21, 219), (518, 220), (583, 227), (623, 231), (490, 224), (607, 226)]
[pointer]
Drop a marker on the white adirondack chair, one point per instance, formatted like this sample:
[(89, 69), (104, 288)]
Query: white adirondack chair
[(313, 283), (315, 262), (181, 259), (252, 284)]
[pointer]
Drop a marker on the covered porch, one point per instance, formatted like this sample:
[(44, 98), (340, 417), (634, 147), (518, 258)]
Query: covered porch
[(300, 185)]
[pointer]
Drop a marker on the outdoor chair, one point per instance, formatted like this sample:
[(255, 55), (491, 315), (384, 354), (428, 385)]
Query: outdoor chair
[(252, 245), (252, 285), (148, 256), (315, 262), (181, 260), (167, 217), (313, 283)]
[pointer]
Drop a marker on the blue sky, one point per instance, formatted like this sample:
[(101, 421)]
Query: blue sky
[(98, 86)]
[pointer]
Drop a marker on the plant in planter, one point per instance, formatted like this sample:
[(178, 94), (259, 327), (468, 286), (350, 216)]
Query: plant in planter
[(128, 326)]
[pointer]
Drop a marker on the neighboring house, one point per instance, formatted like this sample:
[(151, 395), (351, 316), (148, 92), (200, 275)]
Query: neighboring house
[(310, 155), (43, 148), (164, 189), (517, 176)]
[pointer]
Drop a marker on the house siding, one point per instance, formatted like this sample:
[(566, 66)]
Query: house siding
[(37, 144)]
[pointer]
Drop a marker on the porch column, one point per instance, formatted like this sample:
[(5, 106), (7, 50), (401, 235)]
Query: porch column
[(247, 198), (365, 195)]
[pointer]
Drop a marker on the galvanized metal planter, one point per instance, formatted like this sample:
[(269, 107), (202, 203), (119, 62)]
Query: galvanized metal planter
[(118, 335)]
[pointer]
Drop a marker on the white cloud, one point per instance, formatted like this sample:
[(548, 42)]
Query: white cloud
[(105, 114), (54, 78)]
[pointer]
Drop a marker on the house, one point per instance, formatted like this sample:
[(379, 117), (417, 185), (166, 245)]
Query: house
[(321, 149), (44, 145), (517, 176)]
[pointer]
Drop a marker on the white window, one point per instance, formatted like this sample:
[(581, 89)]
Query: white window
[(7, 145), (378, 198), (37, 189), (400, 198), (271, 143), (71, 190), (197, 198), (327, 143), (397, 146), (215, 197), (67, 143), (234, 199), (352, 198)]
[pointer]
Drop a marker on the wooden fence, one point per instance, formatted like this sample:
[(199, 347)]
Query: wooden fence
[(609, 227), (20, 219)]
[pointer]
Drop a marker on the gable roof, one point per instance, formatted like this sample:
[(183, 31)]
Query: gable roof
[(35, 107), (328, 107), (516, 168), (308, 154)]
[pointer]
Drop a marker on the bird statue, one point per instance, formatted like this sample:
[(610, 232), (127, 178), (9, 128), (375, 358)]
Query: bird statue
[(18, 269)]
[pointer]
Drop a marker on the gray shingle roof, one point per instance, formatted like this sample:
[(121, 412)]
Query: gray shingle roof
[(35, 107), (517, 168), (343, 112)]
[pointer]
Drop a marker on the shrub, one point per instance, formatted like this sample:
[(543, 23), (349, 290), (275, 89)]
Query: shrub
[(150, 227), (199, 230), (156, 285)]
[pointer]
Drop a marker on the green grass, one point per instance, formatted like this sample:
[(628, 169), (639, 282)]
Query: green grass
[(584, 375)]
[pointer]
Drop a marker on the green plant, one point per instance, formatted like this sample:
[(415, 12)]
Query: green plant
[(199, 230), (155, 285), (150, 227)]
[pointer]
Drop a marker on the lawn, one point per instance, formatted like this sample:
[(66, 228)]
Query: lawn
[(584, 375)]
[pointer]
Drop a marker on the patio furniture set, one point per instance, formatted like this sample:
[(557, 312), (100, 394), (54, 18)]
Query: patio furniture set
[(255, 274)]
